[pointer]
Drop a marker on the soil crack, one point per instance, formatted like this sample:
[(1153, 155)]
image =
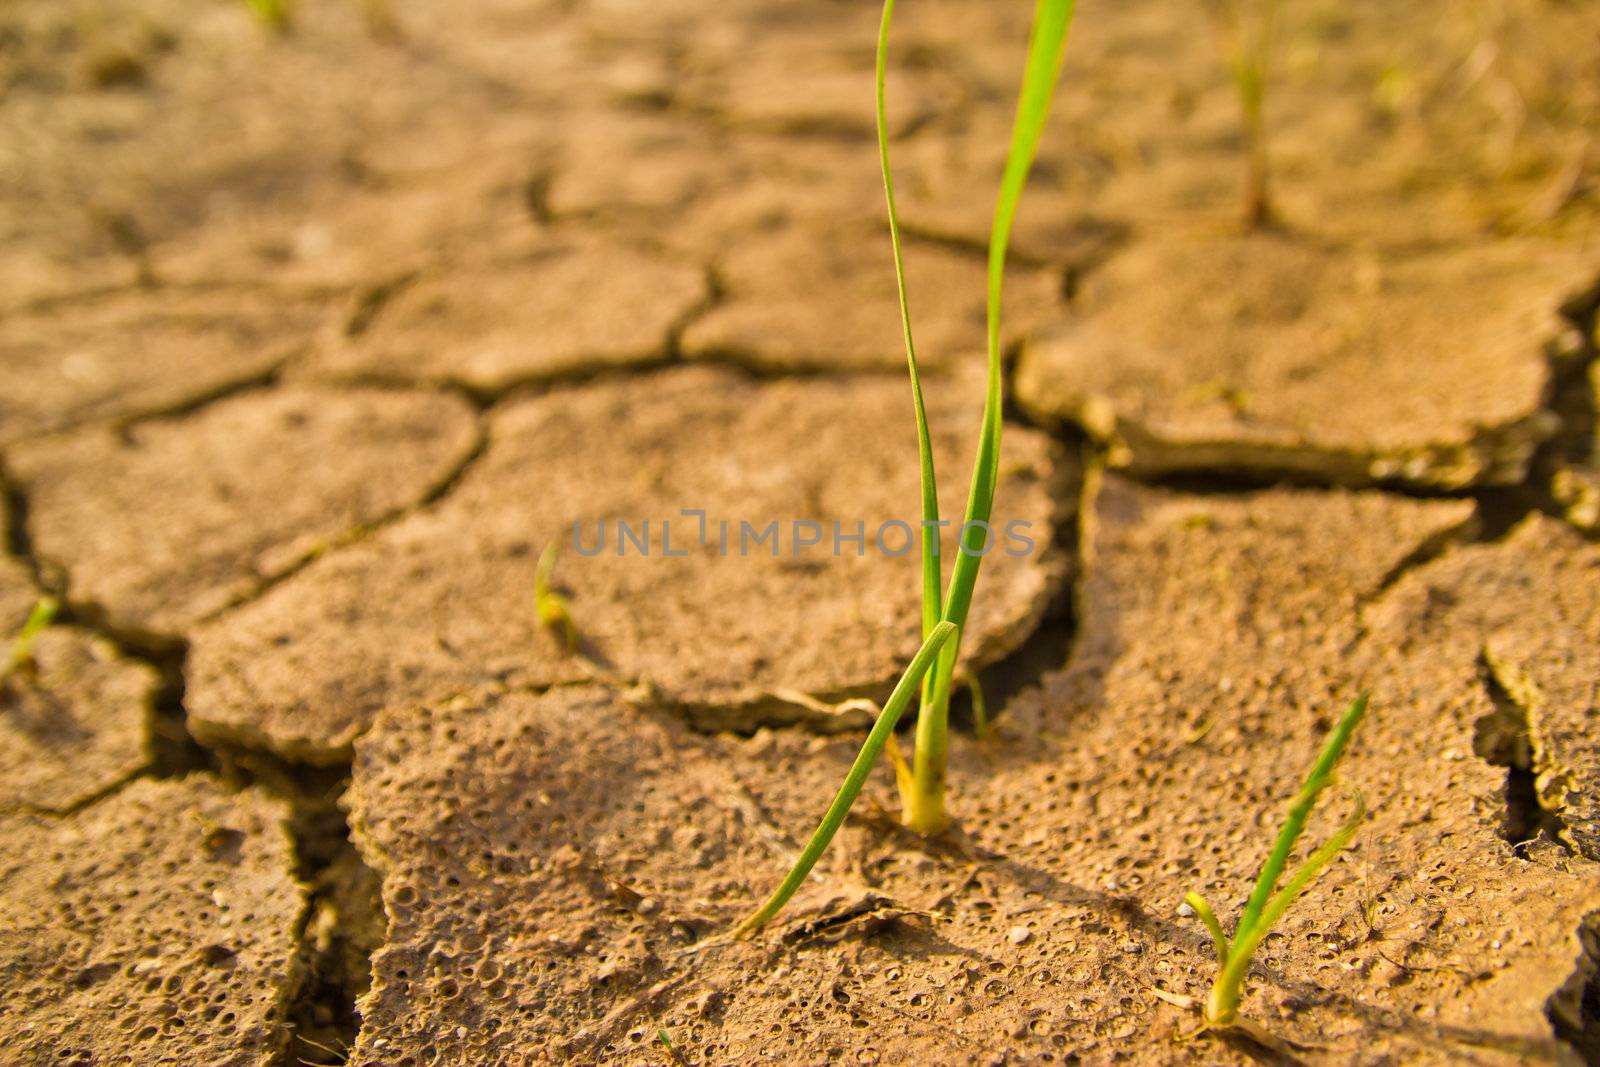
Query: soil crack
[(432, 495), (1574, 1009), (341, 925), (1504, 738), (1049, 646), (18, 543)]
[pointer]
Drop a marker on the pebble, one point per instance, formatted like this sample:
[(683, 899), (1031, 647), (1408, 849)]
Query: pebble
[(1018, 934)]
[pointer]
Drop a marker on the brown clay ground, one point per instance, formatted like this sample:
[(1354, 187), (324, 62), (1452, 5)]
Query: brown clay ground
[(309, 344)]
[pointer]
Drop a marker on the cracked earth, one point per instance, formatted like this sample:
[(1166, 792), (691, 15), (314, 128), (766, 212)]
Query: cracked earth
[(310, 343)]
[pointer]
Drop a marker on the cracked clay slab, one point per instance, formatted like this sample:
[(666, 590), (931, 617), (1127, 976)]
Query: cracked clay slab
[(1427, 369), (155, 926), (174, 519), (559, 310), (776, 282), (76, 722), (674, 164), (444, 600), (1527, 609), (139, 352), (805, 81)]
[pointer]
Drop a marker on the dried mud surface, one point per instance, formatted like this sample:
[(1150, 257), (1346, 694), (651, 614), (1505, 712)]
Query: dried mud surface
[(767, 316), (75, 725), (310, 342), (1024, 938), (722, 628), (1439, 361), (138, 353), (155, 927), (528, 317), (165, 523), (1525, 609)]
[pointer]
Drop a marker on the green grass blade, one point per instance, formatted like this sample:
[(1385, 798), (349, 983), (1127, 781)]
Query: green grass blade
[(1314, 863), (273, 14), (932, 602), (1224, 1003), (1046, 44), (672, 1050), (943, 633), (1319, 778), (1219, 937), (554, 613), (21, 655)]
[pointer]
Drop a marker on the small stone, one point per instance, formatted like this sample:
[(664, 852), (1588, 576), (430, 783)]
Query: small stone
[(1018, 935)]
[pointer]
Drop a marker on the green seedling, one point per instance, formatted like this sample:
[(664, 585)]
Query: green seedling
[(922, 803), (272, 14), (1249, 29), (882, 730), (20, 659), (554, 613), (1267, 902), (944, 612), (665, 1040)]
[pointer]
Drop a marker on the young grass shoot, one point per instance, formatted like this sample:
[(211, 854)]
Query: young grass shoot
[(1249, 29), (1267, 902), (273, 15), (19, 660), (944, 611), (555, 614)]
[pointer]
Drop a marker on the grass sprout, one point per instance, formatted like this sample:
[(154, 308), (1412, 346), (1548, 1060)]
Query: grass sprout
[(20, 659), (882, 730), (1267, 902), (922, 805), (272, 14), (921, 781), (1249, 29), (665, 1040), (555, 614)]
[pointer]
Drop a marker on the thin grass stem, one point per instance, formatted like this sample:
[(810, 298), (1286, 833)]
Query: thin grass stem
[(1265, 907), (1046, 45), (1219, 936), (904, 690), (1318, 780), (20, 657), (555, 614), (673, 1054), (932, 602), (1222, 1007)]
